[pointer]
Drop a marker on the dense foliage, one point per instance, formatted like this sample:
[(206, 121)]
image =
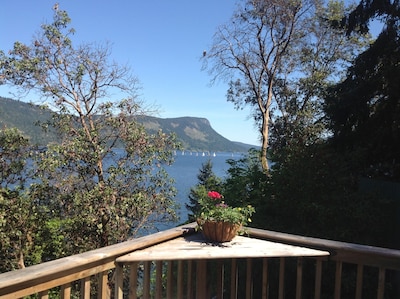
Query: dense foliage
[(104, 181), (364, 109), (19, 216)]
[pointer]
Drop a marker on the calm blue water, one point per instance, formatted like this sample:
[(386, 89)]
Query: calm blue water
[(185, 171)]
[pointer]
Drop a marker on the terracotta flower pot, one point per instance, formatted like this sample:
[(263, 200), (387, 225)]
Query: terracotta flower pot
[(219, 231)]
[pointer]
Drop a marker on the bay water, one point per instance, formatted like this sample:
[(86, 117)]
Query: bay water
[(185, 171)]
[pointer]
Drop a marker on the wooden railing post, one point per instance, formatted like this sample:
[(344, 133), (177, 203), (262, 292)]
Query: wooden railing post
[(359, 283), (66, 291), (170, 280), (85, 288), (299, 280), (189, 293), (338, 279), (234, 278), (249, 279), (159, 286), (201, 279), (104, 290), (318, 278), (133, 280), (146, 280), (44, 295), (381, 283), (265, 278), (220, 279), (281, 278), (119, 279), (180, 282)]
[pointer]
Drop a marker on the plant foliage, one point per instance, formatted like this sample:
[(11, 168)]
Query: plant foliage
[(214, 208)]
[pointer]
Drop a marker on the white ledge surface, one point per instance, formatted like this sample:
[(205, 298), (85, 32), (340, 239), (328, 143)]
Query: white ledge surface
[(194, 247)]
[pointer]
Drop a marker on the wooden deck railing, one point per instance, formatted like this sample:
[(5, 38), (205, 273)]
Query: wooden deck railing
[(351, 271), (351, 263), (89, 268)]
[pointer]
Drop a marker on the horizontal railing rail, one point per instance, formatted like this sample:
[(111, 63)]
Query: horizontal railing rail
[(341, 251), (275, 277)]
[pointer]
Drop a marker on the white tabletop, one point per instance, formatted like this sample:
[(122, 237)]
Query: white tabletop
[(196, 247)]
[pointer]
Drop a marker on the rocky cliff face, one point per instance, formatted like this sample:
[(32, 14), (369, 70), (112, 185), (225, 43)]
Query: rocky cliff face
[(194, 133)]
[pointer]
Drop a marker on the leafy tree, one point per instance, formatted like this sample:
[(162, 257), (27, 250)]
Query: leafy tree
[(364, 109), (278, 57), (104, 181), (14, 152), (207, 181), (298, 118), (367, 10), (253, 47), (22, 218), (19, 223)]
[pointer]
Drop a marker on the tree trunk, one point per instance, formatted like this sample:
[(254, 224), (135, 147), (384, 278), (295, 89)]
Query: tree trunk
[(21, 262), (264, 145)]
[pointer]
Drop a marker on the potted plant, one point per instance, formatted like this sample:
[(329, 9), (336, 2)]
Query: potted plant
[(220, 222)]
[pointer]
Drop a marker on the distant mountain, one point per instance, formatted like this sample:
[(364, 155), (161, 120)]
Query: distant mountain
[(195, 134), (24, 116)]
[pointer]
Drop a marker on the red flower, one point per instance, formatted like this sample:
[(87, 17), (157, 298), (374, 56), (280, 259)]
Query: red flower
[(214, 195)]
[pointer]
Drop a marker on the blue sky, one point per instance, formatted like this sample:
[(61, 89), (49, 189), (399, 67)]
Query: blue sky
[(162, 41)]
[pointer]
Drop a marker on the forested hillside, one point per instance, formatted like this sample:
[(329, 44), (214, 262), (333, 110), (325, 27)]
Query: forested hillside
[(194, 133)]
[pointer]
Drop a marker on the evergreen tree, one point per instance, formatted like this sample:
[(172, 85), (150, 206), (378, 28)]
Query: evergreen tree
[(364, 109), (207, 181), (247, 184)]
